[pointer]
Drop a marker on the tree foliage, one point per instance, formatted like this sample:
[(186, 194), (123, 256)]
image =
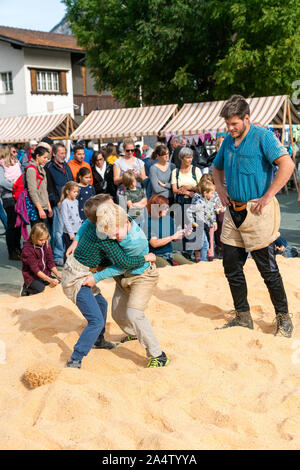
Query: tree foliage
[(189, 50)]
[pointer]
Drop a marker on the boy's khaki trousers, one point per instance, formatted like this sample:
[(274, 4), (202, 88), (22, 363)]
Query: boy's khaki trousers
[(130, 299)]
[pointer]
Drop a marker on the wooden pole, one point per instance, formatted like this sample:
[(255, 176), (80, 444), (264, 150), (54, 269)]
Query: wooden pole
[(72, 126), (292, 144), (68, 125), (83, 70), (283, 130)]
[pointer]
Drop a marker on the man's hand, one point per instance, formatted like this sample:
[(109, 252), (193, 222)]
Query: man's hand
[(72, 248), (223, 195), (259, 204), (89, 281)]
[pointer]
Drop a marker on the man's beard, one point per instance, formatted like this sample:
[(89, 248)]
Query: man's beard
[(241, 132)]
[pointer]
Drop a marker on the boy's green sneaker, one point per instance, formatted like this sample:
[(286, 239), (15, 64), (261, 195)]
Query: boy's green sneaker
[(128, 338), (160, 361)]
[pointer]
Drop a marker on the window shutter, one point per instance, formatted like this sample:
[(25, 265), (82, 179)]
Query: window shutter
[(63, 82), (33, 81)]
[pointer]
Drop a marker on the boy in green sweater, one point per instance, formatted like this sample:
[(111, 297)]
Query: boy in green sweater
[(88, 252)]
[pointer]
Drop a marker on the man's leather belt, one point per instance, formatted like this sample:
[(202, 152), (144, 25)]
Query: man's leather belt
[(238, 206)]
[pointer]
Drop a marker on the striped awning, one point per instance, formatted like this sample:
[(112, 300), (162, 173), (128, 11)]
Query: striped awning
[(24, 129), (197, 118), (126, 122)]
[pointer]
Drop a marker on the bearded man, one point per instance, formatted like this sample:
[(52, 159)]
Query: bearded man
[(252, 218)]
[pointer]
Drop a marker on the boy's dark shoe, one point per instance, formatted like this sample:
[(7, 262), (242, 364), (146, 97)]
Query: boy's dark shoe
[(160, 361), (241, 319), (73, 363), (284, 325), (128, 338), (101, 343)]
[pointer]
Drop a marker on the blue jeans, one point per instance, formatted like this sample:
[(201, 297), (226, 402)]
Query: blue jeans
[(94, 309), (204, 247), (57, 240), (3, 216)]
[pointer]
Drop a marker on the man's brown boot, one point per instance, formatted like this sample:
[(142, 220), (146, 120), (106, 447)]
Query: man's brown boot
[(284, 325), (241, 319)]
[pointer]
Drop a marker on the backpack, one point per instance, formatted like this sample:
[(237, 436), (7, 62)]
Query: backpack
[(19, 186)]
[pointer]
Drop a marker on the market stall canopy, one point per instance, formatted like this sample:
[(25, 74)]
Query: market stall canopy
[(126, 122), (24, 129), (196, 118)]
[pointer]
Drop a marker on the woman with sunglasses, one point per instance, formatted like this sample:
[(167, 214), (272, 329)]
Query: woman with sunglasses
[(102, 171), (125, 163)]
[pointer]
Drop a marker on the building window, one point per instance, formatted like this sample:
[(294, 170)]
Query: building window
[(6, 83), (47, 81)]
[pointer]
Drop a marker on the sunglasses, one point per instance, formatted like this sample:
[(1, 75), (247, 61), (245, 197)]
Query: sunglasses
[(14, 151), (129, 150)]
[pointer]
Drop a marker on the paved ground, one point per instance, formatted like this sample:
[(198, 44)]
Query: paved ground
[(10, 271)]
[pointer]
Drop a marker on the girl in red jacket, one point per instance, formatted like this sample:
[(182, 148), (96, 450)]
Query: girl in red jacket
[(38, 267)]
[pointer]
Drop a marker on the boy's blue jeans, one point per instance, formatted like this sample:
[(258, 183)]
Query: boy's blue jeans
[(204, 247), (94, 309)]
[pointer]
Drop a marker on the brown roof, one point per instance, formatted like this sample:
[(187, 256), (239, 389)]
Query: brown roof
[(29, 38)]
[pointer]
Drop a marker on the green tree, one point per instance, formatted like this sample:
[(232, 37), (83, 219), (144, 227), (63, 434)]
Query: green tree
[(189, 50)]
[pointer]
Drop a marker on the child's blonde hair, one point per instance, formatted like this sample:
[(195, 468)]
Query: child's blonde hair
[(91, 205), (206, 186), (204, 179), (128, 178), (5, 155), (110, 217), (68, 187), (38, 231)]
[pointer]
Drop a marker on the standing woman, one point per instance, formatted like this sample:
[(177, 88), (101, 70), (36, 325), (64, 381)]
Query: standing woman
[(9, 172), (103, 175), (36, 183), (184, 182), (128, 162), (160, 173), (185, 179)]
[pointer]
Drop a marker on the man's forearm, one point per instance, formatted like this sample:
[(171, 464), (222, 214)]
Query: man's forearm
[(218, 176)]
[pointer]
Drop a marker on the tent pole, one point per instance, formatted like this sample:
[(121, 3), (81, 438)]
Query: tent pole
[(282, 136), (71, 122), (68, 125), (292, 144)]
